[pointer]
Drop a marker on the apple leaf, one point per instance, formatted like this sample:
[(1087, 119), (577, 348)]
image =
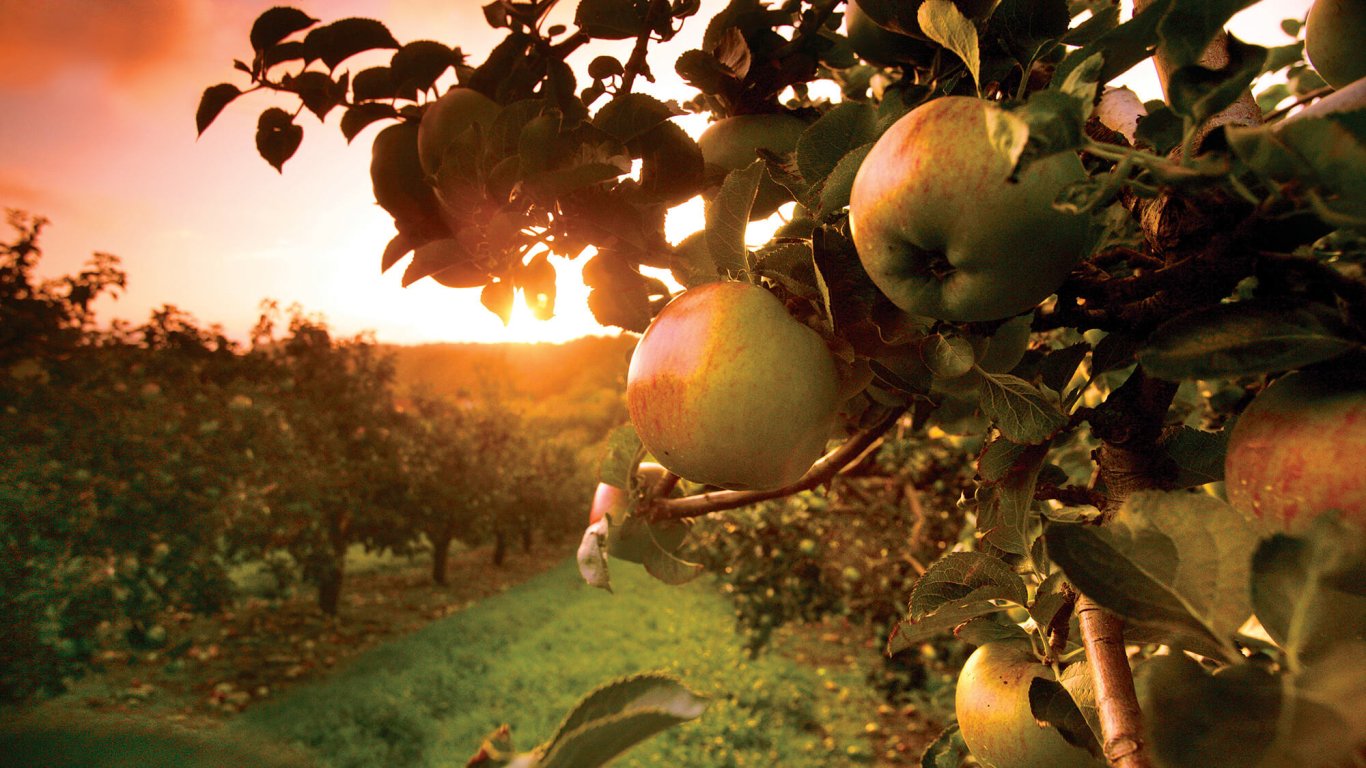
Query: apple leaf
[(615, 467), (670, 569), (942, 22), (1245, 716), (277, 137), (1189, 26), (1123, 46), (998, 458), (1198, 455), (728, 216), (592, 556), (357, 118), (1081, 684), (632, 114), (958, 575), (1200, 93), (497, 297), (342, 39), (911, 632), (1060, 365), (1051, 705), (835, 189), (215, 98), (1244, 338), (1026, 27), (1310, 592), (947, 751), (947, 357), (1021, 410), (636, 540), (825, 142), (276, 24), (990, 629), (618, 716), (1175, 564), (1003, 506), (1324, 152)]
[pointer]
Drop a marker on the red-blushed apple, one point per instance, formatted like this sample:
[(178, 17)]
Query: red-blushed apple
[(733, 143), (614, 503), (944, 232), (992, 704), (1335, 40), (1297, 450), (726, 388)]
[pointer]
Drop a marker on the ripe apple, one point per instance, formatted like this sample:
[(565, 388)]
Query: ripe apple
[(1291, 453), (1333, 40), (400, 184), (726, 388), (992, 703), (879, 46), (943, 231), (733, 143), (448, 117)]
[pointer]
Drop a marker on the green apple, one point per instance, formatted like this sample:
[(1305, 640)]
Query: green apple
[(448, 117), (879, 46), (726, 388), (400, 185), (1291, 453), (1335, 40), (992, 704), (943, 231), (733, 143)]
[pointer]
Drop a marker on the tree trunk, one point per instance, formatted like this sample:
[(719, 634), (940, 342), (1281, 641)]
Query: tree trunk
[(527, 532), (500, 548), (330, 587), (441, 550)]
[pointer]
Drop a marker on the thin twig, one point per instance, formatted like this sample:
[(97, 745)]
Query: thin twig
[(637, 63), (822, 471)]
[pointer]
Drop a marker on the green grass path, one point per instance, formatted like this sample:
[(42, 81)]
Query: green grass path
[(524, 657)]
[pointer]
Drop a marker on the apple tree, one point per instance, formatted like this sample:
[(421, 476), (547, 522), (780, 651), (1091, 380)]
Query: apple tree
[(981, 235)]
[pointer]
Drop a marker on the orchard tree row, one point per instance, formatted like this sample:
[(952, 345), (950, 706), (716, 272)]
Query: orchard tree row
[(1150, 315), (140, 464)]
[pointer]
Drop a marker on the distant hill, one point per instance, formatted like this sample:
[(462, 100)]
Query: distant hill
[(576, 386)]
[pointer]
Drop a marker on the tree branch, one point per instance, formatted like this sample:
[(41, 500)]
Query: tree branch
[(637, 64), (822, 471)]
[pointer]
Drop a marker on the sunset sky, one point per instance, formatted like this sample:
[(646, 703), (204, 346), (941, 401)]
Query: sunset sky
[(97, 99)]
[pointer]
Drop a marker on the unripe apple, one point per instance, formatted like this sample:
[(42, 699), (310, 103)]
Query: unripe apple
[(726, 388), (733, 143), (1292, 452), (879, 46), (943, 231), (448, 117), (1335, 40), (992, 704)]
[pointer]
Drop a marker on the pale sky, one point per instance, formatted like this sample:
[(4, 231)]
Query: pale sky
[(97, 103)]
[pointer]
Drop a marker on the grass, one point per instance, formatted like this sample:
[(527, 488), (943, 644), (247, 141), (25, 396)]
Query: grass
[(524, 658)]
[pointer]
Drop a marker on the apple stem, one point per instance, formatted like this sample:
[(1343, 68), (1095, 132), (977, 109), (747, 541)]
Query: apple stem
[(848, 453)]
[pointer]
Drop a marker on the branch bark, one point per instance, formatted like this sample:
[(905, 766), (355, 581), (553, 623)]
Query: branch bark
[(847, 454)]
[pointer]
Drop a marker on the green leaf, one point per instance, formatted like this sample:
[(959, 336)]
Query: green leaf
[(357, 118), (1051, 705), (998, 458), (620, 456), (671, 168), (342, 39), (1059, 366), (728, 216), (1245, 716), (1198, 455), (611, 19), (497, 297), (1026, 27), (1021, 411), (439, 255), (947, 357), (1123, 46), (1244, 338), (1310, 592), (592, 556), (828, 140), (942, 22), (670, 569), (319, 93), (911, 632), (276, 24), (1162, 129), (215, 98), (1189, 26), (419, 64), (947, 751), (836, 188), (632, 114), (277, 137), (637, 540), (652, 691), (990, 629), (958, 576), (1003, 510), (1200, 93), (1176, 564), (373, 83)]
